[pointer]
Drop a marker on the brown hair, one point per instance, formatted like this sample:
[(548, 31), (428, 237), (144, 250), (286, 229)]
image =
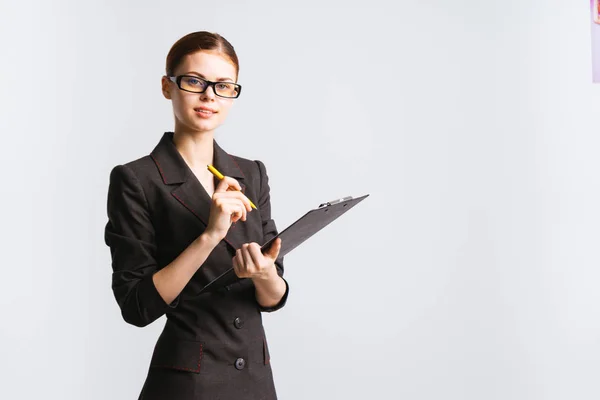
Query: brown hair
[(197, 41)]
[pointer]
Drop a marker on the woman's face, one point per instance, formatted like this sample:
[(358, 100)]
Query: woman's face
[(200, 112)]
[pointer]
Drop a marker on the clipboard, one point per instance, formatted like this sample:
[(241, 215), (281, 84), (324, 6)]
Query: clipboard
[(301, 230), (312, 222)]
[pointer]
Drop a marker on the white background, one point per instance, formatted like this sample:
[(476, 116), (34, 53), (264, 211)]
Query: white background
[(472, 271)]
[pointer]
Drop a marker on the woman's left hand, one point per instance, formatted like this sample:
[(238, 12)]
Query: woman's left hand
[(250, 262)]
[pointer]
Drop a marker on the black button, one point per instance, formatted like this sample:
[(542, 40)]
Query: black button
[(240, 363), (238, 323)]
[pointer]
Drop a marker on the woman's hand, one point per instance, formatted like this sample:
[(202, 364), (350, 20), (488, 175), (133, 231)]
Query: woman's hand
[(228, 206), (250, 262)]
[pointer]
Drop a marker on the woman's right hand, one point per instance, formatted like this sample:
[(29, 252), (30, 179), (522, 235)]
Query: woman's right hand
[(228, 206)]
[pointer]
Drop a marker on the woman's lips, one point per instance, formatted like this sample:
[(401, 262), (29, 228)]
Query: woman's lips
[(204, 112)]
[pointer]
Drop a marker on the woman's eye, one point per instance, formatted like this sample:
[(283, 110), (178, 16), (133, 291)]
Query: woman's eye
[(223, 86), (193, 81)]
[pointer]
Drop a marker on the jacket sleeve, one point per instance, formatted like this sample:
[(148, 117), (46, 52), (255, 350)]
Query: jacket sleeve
[(269, 230), (130, 235)]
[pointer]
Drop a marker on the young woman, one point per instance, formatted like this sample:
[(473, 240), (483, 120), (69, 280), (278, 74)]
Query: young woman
[(173, 228)]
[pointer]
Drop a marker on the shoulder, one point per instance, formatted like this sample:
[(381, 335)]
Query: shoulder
[(255, 175), (143, 169), (252, 169), (143, 166)]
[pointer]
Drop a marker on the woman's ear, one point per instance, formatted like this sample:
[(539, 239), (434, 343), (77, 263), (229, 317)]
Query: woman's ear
[(166, 89)]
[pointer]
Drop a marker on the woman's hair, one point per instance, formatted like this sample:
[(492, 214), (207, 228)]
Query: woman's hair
[(197, 41)]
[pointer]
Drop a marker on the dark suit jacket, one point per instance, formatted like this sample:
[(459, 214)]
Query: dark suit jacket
[(213, 345)]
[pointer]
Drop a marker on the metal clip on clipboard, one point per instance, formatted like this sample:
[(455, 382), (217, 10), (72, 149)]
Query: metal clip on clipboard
[(332, 202)]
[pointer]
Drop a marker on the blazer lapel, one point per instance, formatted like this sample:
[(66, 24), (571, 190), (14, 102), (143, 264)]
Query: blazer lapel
[(188, 190)]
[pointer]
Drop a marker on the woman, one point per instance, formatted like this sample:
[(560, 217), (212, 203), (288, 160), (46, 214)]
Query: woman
[(173, 228)]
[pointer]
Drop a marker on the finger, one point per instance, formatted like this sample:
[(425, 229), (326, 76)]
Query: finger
[(245, 201), (237, 267), (224, 205), (221, 187), (233, 208), (235, 212), (248, 262), (257, 256), (245, 210), (226, 183), (232, 183), (241, 211), (236, 206), (274, 249), (234, 195)]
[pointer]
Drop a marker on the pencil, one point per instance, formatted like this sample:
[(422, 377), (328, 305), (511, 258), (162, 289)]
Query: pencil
[(220, 176)]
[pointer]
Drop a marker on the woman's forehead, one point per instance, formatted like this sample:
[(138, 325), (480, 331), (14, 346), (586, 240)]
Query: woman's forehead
[(210, 64)]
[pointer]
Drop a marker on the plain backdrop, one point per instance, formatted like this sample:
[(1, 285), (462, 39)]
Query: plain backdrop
[(472, 271)]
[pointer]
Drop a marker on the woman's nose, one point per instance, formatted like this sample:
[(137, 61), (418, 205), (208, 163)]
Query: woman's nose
[(209, 94)]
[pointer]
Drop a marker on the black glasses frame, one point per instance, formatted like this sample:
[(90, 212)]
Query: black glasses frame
[(177, 80)]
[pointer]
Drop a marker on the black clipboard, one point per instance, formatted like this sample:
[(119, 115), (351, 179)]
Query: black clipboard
[(312, 222), (301, 230)]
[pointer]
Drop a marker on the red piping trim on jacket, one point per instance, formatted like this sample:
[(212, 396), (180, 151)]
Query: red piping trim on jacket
[(160, 171)]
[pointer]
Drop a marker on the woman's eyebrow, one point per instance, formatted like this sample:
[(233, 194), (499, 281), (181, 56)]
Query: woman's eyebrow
[(202, 76)]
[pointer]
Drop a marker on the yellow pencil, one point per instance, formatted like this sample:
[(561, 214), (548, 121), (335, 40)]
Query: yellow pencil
[(220, 176)]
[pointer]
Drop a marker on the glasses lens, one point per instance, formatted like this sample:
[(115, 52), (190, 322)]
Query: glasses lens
[(193, 84), (226, 89)]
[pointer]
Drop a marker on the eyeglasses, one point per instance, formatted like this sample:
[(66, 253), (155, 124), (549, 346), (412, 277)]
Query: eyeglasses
[(195, 84)]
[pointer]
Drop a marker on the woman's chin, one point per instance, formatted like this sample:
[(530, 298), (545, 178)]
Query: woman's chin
[(203, 126)]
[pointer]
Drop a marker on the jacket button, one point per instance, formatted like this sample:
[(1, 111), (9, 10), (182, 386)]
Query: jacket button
[(238, 323), (240, 363)]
